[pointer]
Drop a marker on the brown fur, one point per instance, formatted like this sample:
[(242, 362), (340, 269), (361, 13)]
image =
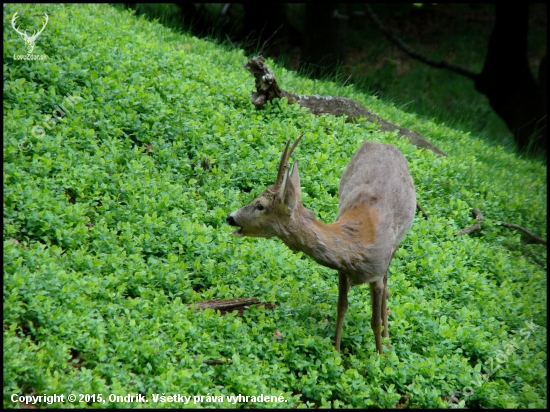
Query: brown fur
[(359, 222), (377, 207)]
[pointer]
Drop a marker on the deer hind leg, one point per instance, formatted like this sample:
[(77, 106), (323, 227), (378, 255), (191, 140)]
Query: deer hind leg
[(343, 289), (386, 331), (386, 295), (377, 296)]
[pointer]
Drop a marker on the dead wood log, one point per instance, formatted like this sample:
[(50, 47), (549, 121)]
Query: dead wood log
[(268, 89), (230, 305), (477, 227)]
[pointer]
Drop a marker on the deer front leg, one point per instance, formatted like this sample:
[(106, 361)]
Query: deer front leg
[(377, 296), (343, 289)]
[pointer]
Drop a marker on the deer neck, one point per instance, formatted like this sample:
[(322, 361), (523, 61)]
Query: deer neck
[(340, 245)]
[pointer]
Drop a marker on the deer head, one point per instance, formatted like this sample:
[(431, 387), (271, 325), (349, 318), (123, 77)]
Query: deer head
[(30, 41), (269, 213)]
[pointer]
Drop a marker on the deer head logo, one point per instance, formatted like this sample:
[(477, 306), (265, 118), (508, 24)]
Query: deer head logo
[(29, 40)]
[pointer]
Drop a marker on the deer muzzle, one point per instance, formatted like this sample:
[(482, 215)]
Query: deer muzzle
[(231, 221)]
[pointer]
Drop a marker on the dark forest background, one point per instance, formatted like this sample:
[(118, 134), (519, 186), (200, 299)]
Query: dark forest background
[(476, 67)]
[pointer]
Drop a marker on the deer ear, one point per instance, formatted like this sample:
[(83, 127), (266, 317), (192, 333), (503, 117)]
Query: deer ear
[(294, 178), (290, 192)]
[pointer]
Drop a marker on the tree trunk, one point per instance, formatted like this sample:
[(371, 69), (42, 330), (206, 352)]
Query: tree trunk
[(324, 41), (507, 80)]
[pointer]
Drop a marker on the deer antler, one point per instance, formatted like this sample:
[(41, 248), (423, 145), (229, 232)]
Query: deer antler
[(13, 19), (282, 166), (284, 160)]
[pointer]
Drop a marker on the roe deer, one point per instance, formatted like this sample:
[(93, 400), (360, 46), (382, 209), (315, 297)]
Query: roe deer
[(377, 207)]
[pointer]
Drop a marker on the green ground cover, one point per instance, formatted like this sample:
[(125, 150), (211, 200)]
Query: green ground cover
[(457, 33), (114, 219)]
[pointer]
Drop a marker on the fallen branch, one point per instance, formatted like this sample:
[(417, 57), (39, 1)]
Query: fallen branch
[(216, 362), (474, 228), (477, 227), (267, 89), (230, 305), (530, 234)]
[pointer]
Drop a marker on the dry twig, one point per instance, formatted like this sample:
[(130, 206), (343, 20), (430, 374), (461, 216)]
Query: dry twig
[(442, 64), (422, 210), (530, 234), (215, 362), (230, 305), (477, 227), (474, 228)]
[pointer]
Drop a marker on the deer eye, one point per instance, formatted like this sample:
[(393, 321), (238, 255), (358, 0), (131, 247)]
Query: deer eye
[(259, 206)]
